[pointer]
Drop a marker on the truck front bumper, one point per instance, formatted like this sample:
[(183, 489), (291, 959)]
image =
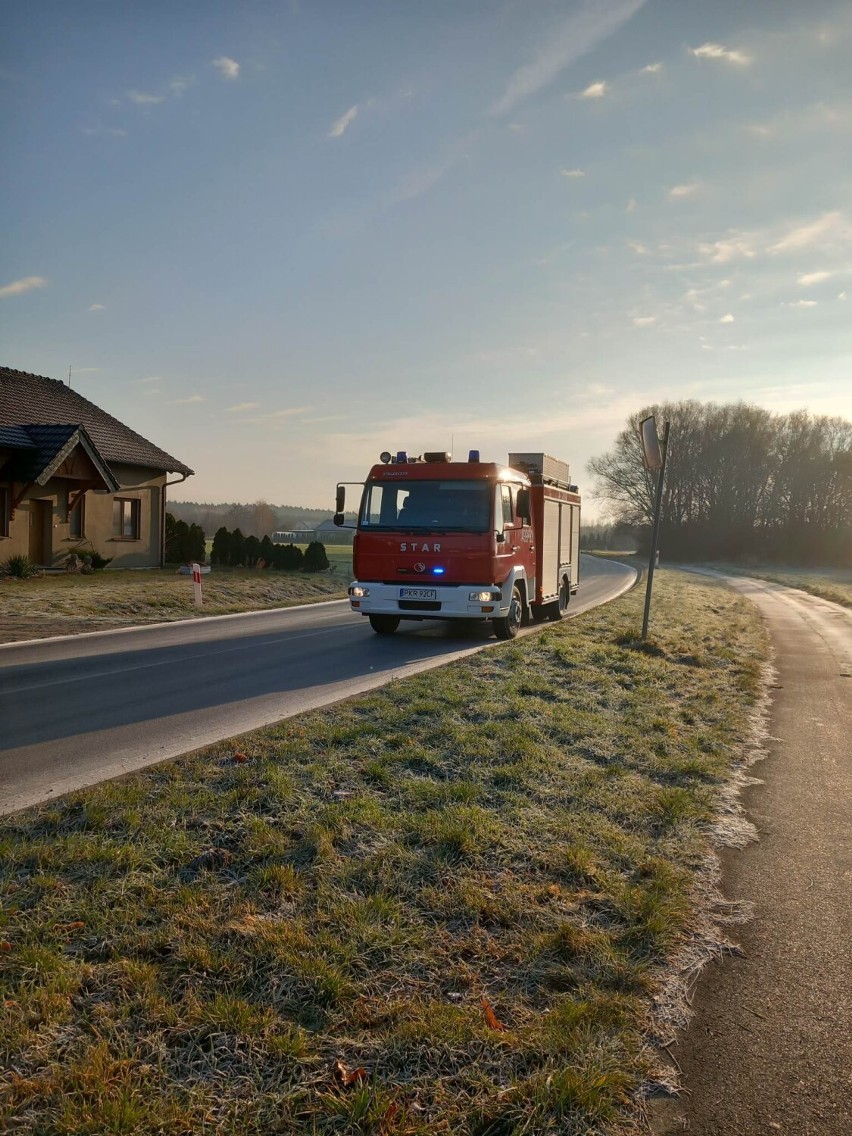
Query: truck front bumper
[(457, 601)]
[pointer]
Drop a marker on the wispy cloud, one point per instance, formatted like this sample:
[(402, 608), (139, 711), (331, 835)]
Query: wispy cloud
[(638, 248), (808, 279), (277, 415), (728, 317), (339, 127), (644, 321), (573, 173), (631, 206), (181, 83), (578, 35), (240, 406), (728, 249), (289, 412), (831, 229), (103, 131), (717, 51), (687, 190), (594, 91), (227, 68), (189, 400), (831, 118), (26, 284), (143, 98), (424, 178), (652, 69), (150, 379), (802, 304), (97, 307)]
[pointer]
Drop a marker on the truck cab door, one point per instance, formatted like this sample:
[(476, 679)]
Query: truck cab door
[(505, 531)]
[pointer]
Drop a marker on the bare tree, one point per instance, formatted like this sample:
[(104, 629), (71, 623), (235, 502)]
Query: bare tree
[(740, 481)]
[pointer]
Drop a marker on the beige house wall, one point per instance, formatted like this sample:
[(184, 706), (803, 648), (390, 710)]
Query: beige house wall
[(137, 484)]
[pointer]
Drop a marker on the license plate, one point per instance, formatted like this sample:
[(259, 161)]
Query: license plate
[(418, 594)]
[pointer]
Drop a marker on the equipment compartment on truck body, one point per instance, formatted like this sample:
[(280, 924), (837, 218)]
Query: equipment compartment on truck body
[(556, 520)]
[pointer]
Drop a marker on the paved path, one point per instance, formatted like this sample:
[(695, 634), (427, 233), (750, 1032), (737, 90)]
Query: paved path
[(770, 1047)]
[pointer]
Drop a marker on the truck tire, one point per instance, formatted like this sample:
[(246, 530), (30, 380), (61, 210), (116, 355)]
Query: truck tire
[(384, 624), (508, 626), (556, 610)]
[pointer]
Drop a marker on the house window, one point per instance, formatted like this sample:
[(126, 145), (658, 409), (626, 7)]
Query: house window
[(5, 509), (76, 518), (125, 518)]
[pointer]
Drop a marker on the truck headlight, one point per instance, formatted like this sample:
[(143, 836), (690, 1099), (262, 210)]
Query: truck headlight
[(358, 592), (482, 597)]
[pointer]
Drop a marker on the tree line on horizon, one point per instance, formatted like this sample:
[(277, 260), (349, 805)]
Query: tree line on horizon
[(741, 482), (252, 519)]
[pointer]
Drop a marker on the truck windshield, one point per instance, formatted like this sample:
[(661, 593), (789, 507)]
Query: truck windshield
[(426, 506)]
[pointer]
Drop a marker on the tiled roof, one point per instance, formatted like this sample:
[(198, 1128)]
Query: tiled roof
[(45, 444), (49, 446), (27, 399), (15, 438)]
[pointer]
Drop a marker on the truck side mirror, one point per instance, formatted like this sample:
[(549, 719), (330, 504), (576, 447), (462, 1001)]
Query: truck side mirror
[(500, 537), (524, 511), (339, 519), (340, 500)]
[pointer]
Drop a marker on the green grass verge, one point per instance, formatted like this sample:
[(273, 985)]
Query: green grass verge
[(57, 605), (833, 584), (509, 840)]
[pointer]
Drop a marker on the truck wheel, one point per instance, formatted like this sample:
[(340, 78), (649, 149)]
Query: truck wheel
[(384, 624), (508, 626), (556, 610)]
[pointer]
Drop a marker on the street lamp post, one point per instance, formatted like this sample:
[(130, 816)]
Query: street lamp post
[(655, 453)]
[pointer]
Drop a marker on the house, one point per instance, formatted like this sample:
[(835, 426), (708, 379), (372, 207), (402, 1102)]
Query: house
[(72, 477)]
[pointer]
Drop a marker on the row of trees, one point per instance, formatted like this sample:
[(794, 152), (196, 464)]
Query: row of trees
[(184, 543), (235, 550), (253, 519), (609, 538), (740, 482)]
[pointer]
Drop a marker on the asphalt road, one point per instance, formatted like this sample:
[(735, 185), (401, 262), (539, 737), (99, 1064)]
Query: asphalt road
[(80, 709), (770, 1047)]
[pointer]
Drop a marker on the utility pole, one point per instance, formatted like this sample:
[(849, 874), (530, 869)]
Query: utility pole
[(655, 453), (69, 374)]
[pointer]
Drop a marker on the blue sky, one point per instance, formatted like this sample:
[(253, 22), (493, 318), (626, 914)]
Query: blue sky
[(278, 238)]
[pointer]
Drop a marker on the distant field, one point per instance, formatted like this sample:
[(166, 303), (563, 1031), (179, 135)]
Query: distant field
[(833, 584)]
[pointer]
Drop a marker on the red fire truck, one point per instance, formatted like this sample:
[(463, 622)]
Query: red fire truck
[(438, 539)]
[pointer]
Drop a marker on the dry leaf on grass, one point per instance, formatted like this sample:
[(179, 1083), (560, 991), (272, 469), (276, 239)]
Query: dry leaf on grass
[(390, 1113), (212, 858), (347, 1077), (77, 925), (240, 758), (490, 1017)]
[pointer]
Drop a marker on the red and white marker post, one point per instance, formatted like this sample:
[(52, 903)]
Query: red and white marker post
[(196, 583)]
